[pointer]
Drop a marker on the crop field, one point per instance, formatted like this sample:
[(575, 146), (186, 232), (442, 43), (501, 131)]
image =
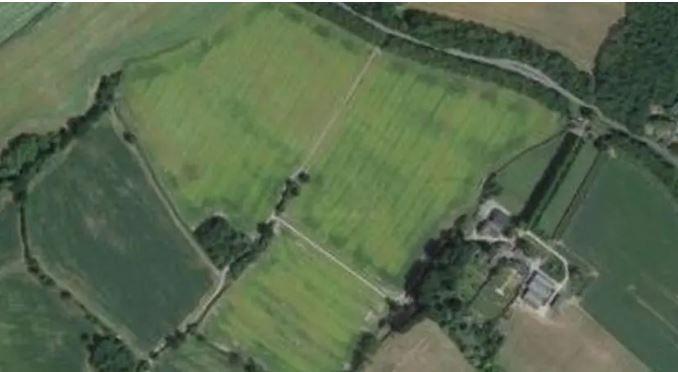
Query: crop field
[(567, 189), (634, 297), (407, 155), (295, 310), (518, 178), (98, 226), (10, 244), (195, 356), (37, 332), (425, 347), (225, 132), (73, 45), (575, 30), (569, 341), (14, 16)]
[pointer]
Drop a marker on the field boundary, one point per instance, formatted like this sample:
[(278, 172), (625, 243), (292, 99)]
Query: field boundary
[(333, 258)]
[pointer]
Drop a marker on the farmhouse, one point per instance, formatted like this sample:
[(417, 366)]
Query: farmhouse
[(539, 290), (495, 224)]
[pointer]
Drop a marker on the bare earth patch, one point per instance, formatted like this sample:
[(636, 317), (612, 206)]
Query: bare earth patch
[(570, 341), (574, 29), (424, 348)]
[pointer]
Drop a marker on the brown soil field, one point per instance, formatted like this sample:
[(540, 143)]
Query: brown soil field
[(574, 29), (570, 341), (424, 348)]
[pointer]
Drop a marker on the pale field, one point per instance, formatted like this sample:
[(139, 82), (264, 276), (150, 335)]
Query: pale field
[(424, 348), (571, 341), (574, 29)]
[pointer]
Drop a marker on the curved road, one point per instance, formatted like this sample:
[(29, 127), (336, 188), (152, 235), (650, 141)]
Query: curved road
[(522, 69)]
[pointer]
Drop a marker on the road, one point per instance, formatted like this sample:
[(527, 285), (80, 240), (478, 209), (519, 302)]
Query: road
[(522, 69)]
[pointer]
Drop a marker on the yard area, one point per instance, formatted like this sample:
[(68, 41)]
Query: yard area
[(627, 227), (295, 310)]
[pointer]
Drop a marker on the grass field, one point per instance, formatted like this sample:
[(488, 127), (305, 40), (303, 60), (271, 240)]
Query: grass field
[(569, 341), (295, 310), (627, 228), (497, 293), (195, 356), (565, 193), (10, 243), (425, 347), (226, 119), (518, 178), (409, 152), (576, 30), (13, 17), (97, 225), (49, 72), (37, 332)]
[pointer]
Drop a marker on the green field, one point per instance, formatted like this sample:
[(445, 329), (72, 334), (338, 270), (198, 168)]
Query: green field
[(195, 356), (14, 16), (497, 293), (48, 73), (295, 310), (10, 244), (518, 178), (37, 332), (99, 228), (627, 227), (226, 119), (565, 193), (409, 153)]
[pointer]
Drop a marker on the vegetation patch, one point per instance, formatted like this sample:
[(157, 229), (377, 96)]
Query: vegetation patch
[(221, 241), (497, 293), (295, 310), (113, 242), (93, 39), (38, 331), (198, 354), (409, 152), (626, 228), (10, 242), (223, 134)]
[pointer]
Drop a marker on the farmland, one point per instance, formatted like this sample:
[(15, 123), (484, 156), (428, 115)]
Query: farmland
[(425, 347), (586, 25), (517, 178), (9, 234), (224, 133), (100, 230), (626, 227), (570, 341), (409, 153), (13, 17), (195, 356), (295, 310), (37, 331), (92, 39)]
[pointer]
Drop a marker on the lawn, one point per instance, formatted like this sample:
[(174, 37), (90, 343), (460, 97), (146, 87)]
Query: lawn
[(295, 310), (227, 118), (100, 229), (627, 228), (576, 30), (48, 73), (10, 243), (15, 16), (518, 178), (37, 331), (408, 154), (495, 295), (566, 190)]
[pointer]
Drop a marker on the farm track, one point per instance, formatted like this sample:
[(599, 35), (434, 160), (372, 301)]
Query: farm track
[(522, 69), (340, 109), (380, 291)]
